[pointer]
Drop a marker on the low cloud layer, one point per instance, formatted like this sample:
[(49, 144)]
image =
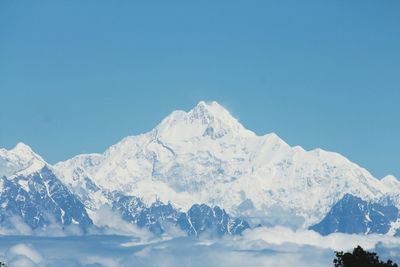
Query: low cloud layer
[(337, 241), (276, 246)]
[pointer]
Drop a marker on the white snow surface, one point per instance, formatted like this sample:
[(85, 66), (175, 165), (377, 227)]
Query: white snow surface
[(20, 160), (206, 156)]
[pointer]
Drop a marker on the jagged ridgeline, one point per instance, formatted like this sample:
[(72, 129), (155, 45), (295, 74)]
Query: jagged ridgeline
[(159, 217), (39, 200), (199, 171), (353, 215)]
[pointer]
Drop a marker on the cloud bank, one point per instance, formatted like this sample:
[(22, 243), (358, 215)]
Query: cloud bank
[(277, 246)]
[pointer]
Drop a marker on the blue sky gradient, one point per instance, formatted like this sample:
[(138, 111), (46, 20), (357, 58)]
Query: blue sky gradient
[(77, 76)]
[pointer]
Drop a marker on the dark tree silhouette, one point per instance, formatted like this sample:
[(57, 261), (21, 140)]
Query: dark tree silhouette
[(360, 258)]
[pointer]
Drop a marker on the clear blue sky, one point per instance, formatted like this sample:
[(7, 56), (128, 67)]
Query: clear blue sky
[(77, 76)]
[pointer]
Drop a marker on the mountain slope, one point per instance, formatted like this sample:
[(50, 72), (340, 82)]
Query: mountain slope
[(353, 215), (206, 156), (40, 200), (202, 218), (31, 193), (20, 160), (159, 217)]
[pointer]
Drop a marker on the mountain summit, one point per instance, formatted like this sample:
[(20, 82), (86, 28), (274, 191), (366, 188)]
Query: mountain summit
[(206, 119), (20, 160), (192, 170), (206, 156)]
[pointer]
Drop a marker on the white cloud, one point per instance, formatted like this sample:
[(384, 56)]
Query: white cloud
[(277, 246), (337, 241), (103, 261), (112, 223), (23, 255), (16, 227), (21, 261)]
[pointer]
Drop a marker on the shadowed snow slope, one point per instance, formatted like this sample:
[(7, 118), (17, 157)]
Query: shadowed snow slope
[(352, 215), (32, 195), (39, 200), (206, 156)]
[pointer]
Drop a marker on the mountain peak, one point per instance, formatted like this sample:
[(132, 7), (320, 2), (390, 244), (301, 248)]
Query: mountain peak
[(212, 107), (209, 112), (391, 181), (205, 119), (24, 151), (22, 148), (390, 178), (19, 160)]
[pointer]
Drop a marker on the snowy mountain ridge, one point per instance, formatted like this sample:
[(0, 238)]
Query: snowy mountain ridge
[(34, 200), (21, 160), (206, 156), (30, 191)]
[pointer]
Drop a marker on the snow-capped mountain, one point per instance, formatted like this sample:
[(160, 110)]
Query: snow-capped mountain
[(20, 160), (201, 218), (30, 192), (206, 156), (159, 217), (353, 215)]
